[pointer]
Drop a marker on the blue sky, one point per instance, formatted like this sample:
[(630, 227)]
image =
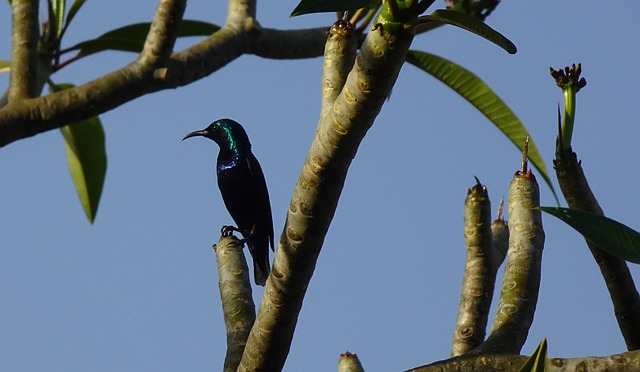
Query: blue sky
[(137, 291)]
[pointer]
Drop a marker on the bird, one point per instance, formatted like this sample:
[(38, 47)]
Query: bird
[(244, 191)]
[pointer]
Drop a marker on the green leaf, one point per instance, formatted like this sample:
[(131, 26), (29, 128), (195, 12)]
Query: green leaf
[(610, 235), (108, 43), (73, 10), (75, 7), (476, 92), (323, 6), (131, 38), (84, 143), (537, 362), (4, 65), (57, 8), (472, 24)]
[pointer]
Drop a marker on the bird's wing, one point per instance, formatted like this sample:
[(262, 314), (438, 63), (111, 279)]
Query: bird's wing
[(262, 192)]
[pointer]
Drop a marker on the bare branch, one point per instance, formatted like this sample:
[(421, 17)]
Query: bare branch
[(616, 274), (286, 44), (349, 362), (479, 278), (629, 361), (238, 308), (339, 55), (137, 79), (24, 50), (521, 280), (241, 11), (163, 33), (499, 239), (316, 194)]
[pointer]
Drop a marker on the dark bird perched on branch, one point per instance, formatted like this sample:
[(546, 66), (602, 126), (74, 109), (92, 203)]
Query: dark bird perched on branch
[(244, 191)]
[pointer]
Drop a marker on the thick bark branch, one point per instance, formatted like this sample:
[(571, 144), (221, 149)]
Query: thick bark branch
[(240, 11), (339, 56), (316, 194), (616, 274), (33, 116), (163, 33), (521, 280), (479, 278), (24, 50), (349, 362), (286, 44), (238, 308), (629, 361)]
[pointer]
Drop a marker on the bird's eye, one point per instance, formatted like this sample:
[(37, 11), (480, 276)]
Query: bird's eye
[(215, 127)]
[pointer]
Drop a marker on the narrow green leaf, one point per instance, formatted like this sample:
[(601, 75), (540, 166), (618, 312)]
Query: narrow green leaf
[(77, 4), (75, 7), (84, 144), (4, 65), (472, 24), (537, 362), (476, 92), (109, 43), (323, 6), (610, 235), (58, 14), (131, 38)]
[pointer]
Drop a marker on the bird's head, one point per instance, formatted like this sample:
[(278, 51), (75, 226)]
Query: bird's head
[(227, 133)]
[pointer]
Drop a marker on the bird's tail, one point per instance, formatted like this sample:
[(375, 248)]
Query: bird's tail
[(259, 249), (261, 271)]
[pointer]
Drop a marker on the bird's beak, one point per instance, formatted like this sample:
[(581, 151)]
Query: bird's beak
[(196, 133)]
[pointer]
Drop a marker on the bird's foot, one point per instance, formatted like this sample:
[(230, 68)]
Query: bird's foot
[(228, 230)]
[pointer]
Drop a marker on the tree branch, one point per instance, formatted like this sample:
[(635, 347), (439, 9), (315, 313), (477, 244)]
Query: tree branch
[(286, 44), (241, 11), (521, 280), (349, 362), (316, 194), (616, 274), (238, 308), (499, 239), (30, 117), (163, 33), (479, 278), (24, 50), (103, 94), (339, 55), (629, 361)]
